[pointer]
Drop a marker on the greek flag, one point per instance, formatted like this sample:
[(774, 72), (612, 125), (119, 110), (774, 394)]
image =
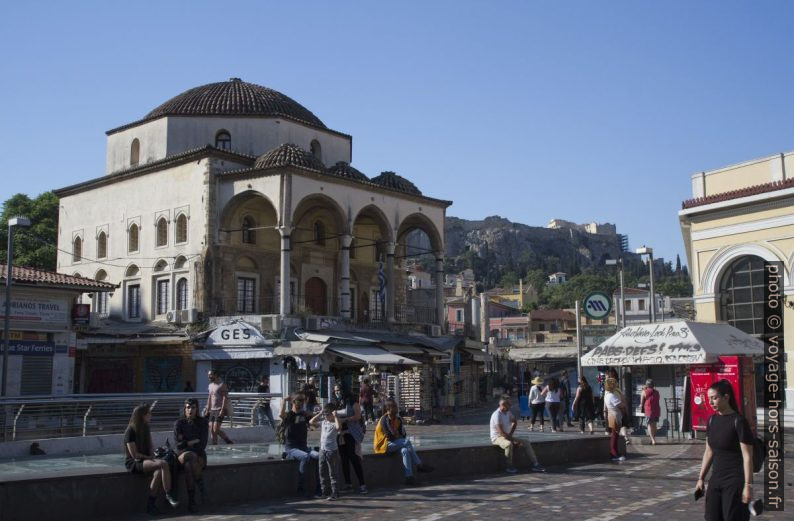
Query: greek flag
[(381, 281)]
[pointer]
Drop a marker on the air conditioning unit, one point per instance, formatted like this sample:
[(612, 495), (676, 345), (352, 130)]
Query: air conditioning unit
[(172, 317), (434, 330), (187, 316), (271, 323)]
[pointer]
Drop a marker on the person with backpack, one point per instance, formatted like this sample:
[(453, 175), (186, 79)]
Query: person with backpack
[(649, 404), (729, 453), (293, 433)]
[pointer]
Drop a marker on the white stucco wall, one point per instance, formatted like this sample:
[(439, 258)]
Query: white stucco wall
[(253, 136), (153, 140), (143, 200)]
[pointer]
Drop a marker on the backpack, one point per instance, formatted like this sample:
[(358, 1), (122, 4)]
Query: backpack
[(759, 448)]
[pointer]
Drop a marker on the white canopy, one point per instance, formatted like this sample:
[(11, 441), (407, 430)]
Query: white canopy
[(670, 343), (371, 355)]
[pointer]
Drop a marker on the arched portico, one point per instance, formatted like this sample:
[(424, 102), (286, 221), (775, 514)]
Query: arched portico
[(434, 236), (715, 268)]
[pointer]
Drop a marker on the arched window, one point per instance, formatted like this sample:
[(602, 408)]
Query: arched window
[(249, 235), (223, 140), (181, 228), (132, 271), (132, 238), (135, 152), (179, 262), (161, 266), (102, 246), (316, 149), (741, 294), (181, 293), (162, 232), (101, 305), (77, 249), (319, 233)]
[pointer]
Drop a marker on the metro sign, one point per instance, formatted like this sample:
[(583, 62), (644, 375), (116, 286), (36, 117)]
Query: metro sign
[(597, 305)]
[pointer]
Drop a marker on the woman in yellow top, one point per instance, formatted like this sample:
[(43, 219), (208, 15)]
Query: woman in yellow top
[(390, 437)]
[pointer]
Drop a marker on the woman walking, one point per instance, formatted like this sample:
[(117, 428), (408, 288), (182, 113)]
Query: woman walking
[(350, 437), (650, 406), (537, 402), (729, 448), (139, 458), (614, 409), (552, 395), (191, 433), (584, 405)]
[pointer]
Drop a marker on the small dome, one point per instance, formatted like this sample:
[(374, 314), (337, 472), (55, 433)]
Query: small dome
[(343, 169), (395, 182), (289, 155), (235, 98)]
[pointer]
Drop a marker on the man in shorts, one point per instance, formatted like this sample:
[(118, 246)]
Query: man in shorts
[(216, 406)]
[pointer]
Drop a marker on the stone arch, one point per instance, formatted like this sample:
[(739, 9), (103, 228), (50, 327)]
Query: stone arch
[(180, 262), (374, 215), (132, 270), (246, 263), (418, 221), (101, 275), (716, 266), (160, 265), (319, 206), (260, 210)]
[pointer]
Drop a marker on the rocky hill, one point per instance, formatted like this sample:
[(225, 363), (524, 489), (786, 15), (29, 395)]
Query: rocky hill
[(495, 245)]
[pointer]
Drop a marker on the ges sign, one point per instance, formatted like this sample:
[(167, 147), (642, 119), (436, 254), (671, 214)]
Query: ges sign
[(236, 334)]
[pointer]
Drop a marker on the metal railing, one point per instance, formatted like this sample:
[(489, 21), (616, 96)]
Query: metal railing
[(44, 417)]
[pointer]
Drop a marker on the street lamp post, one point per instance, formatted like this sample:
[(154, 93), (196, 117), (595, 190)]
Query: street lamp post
[(649, 252), (622, 303), (15, 222)]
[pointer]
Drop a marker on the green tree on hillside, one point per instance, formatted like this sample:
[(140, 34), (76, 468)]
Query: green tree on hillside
[(33, 247)]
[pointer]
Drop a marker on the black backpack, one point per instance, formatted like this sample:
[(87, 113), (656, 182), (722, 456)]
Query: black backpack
[(759, 448)]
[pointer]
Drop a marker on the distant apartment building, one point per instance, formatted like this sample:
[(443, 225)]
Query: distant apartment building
[(637, 306)]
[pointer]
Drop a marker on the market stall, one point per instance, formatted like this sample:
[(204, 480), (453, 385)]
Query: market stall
[(669, 352)]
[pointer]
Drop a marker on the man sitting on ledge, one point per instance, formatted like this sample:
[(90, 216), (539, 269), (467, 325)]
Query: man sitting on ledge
[(390, 437), (296, 430), (503, 425)]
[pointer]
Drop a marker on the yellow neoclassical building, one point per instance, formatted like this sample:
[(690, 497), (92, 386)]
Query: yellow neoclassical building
[(740, 216)]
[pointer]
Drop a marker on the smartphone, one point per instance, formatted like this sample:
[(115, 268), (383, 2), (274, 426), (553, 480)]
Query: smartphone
[(698, 493)]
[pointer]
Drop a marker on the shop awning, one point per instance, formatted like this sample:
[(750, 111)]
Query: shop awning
[(232, 353), (301, 348), (371, 355), (478, 355), (410, 350), (558, 352), (673, 343)]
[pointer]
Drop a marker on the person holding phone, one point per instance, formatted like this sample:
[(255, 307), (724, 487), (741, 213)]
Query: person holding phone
[(729, 453)]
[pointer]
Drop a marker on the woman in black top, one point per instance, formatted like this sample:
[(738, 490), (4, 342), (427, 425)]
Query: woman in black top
[(584, 405), (190, 434), (139, 457), (729, 448)]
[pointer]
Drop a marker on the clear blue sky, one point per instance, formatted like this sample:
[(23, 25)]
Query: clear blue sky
[(529, 110)]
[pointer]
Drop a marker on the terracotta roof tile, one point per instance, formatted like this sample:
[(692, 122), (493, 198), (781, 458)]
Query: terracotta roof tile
[(22, 275), (551, 314), (396, 182), (289, 155), (735, 194)]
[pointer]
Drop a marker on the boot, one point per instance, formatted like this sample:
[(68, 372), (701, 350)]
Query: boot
[(202, 490), (151, 506), (191, 501)]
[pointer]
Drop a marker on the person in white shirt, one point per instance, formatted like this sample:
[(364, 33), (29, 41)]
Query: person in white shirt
[(537, 402), (330, 426), (503, 425), (614, 409)]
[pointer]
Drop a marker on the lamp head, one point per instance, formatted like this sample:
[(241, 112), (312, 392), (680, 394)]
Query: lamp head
[(644, 251), (19, 222)]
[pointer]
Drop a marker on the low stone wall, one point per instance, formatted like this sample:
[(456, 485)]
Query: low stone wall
[(112, 494)]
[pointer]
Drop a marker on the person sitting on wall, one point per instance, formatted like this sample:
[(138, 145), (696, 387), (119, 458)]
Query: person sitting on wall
[(390, 437), (503, 426), (139, 458), (295, 421), (190, 434)]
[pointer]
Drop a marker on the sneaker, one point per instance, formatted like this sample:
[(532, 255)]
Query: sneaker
[(619, 460), (363, 489), (531, 428), (425, 468), (538, 468), (511, 470), (171, 500), (333, 497), (628, 441), (410, 481)]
